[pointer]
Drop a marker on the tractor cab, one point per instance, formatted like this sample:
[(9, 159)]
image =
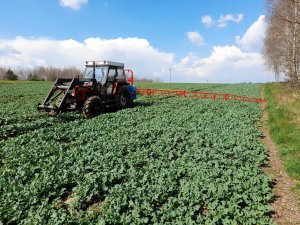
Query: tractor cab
[(104, 84), (106, 74), (105, 71)]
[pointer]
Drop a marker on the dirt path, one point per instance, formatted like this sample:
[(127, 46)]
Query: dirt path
[(285, 206)]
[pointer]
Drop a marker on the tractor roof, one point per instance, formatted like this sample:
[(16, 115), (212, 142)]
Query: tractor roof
[(104, 63)]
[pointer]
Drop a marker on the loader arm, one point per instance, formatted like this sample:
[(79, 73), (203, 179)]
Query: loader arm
[(59, 94)]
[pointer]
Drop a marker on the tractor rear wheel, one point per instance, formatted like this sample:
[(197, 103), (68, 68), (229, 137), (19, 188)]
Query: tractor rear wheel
[(92, 107), (123, 99)]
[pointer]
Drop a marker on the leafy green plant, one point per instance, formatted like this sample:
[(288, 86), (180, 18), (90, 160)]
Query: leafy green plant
[(167, 160)]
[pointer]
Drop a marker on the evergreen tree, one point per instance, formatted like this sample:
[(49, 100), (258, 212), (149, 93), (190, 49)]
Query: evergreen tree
[(33, 77), (10, 75)]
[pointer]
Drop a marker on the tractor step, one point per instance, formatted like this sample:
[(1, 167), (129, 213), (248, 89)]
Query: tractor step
[(62, 87), (46, 107)]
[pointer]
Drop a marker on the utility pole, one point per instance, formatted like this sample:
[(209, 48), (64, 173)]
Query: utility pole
[(170, 74)]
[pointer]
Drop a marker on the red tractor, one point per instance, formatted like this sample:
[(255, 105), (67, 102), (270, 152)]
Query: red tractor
[(103, 85)]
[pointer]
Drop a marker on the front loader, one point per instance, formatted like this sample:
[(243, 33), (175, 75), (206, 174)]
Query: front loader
[(103, 85)]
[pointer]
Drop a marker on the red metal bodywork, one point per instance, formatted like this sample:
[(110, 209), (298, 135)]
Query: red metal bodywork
[(115, 88), (130, 79), (81, 93)]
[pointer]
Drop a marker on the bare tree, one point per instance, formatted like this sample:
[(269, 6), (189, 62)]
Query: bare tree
[(146, 79), (23, 73), (2, 72), (281, 49), (43, 73), (51, 73)]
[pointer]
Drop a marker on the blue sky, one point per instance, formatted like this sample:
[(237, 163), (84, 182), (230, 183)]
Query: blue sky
[(200, 39)]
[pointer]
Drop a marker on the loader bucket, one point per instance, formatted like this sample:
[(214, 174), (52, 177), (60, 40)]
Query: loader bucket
[(55, 101)]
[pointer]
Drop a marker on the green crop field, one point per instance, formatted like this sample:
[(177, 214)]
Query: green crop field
[(168, 160)]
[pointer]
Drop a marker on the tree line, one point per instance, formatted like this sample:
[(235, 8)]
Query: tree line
[(282, 41), (51, 73), (39, 73)]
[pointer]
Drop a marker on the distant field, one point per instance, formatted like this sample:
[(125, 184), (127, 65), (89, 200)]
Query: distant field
[(168, 160)]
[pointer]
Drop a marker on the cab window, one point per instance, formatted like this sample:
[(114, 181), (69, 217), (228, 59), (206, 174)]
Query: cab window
[(100, 72), (112, 72), (121, 74)]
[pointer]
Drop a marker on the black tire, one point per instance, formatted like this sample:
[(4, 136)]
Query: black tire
[(92, 107), (122, 98)]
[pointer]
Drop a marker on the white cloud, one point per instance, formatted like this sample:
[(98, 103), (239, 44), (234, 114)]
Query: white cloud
[(73, 4), (226, 64), (6, 50), (224, 19), (252, 40), (195, 37), (238, 63), (136, 53), (207, 21)]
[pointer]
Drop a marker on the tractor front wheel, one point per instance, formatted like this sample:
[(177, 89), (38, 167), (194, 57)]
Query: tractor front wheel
[(92, 107), (123, 99)]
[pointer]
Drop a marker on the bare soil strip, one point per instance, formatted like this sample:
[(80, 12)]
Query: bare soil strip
[(285, 207)]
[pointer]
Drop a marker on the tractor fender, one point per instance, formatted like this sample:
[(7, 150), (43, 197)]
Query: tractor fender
[(123, 97), (133, 91)]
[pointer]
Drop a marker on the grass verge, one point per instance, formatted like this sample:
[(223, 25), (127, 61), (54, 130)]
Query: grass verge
[(283, 108)]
